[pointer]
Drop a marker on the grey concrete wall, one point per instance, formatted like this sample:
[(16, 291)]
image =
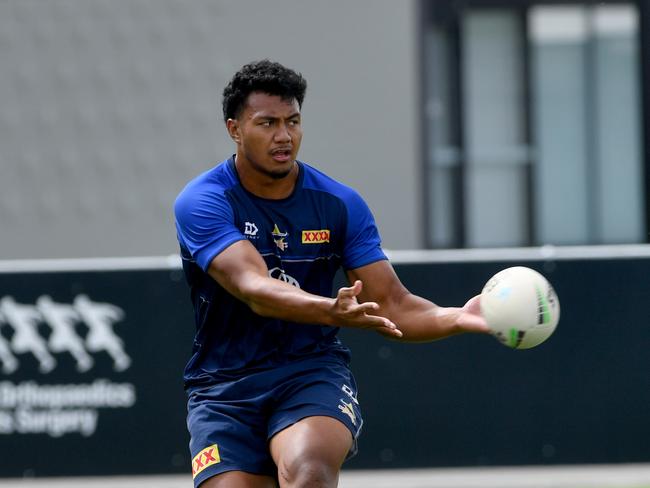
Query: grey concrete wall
[(109, 107)]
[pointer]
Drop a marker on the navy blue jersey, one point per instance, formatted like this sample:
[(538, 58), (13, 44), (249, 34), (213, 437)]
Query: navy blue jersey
[(304, 239)]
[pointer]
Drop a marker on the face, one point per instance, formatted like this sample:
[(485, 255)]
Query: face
[(268, 135)]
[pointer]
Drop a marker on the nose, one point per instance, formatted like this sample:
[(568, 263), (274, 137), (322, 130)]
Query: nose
[(283, 134)]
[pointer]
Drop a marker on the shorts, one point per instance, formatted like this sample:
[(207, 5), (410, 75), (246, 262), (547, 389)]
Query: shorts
[(231, 423)]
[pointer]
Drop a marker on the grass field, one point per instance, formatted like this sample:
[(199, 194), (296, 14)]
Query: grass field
[(596, 476)]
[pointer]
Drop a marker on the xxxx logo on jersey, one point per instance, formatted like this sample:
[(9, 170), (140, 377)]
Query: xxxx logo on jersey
[(207, 457), (315, 236)]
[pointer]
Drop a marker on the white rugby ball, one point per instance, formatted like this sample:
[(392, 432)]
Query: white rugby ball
[(520, 306)]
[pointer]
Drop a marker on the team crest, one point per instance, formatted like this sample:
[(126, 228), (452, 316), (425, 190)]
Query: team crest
[(346, 408), (279, 238)]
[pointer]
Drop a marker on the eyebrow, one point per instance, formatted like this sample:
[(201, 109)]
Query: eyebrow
[(271, 117)]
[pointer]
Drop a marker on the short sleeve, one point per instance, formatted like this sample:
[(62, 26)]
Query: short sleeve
[(205, 224), (362, 241)]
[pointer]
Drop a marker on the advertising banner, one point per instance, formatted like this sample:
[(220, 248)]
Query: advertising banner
[(91, 368), (581, 397)]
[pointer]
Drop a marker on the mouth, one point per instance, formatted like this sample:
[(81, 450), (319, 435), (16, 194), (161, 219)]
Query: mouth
[(281, 154)]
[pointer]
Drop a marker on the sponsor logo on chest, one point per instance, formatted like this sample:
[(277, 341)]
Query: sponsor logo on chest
[(312, 236), (315, 236), (250, 230)]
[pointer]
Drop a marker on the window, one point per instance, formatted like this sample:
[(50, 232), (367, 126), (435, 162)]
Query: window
[(533, 124)]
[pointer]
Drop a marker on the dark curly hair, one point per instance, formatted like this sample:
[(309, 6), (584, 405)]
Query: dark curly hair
[(261, 76)]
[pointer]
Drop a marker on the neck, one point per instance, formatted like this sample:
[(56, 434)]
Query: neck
[(264, 185)]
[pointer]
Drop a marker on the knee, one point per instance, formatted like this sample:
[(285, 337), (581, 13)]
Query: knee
[(308, 470)]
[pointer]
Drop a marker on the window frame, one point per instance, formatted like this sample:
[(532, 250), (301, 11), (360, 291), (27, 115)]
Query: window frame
[(448, 14)]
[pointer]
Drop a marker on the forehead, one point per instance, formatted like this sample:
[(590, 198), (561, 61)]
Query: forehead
[(260, 104)]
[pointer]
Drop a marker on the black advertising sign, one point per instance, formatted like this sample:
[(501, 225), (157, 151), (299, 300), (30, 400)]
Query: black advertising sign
[(91, 377), (91, 365), (581, 397)]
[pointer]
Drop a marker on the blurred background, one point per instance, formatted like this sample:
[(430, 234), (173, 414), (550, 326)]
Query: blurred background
[(463, 123), (513, 126)]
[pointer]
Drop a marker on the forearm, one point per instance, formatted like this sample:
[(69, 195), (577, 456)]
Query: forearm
[(242, 272), (421, 320), (272, 298)]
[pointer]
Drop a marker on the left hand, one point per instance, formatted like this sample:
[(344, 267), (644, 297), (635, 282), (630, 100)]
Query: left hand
[(471, 319)]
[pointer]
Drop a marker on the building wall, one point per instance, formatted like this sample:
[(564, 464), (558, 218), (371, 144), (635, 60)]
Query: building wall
[(108, 108)]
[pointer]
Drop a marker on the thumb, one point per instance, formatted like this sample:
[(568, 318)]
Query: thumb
[(357, 287), (351, 291)]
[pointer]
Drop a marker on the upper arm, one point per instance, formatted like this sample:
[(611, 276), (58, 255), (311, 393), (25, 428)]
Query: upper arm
[(363, 258), (380, 283), (238, 268), (415, 316), (205, 224), (362, 241)]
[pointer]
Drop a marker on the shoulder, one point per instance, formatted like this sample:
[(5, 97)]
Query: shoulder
[(208, 187), (316, 180), (362, 244)]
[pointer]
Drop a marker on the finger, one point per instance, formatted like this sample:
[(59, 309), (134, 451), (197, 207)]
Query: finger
[(474, 323), (350, 291), (395, 332), (378, 322), (365, 312), (481, 326), (391, 329), (366, 307), (473, 305)]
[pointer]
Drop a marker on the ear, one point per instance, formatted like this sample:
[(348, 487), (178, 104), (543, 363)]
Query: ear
[(234, 131)]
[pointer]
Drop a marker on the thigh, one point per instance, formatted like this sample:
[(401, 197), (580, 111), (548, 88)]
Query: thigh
[(228, 433), (239, 479), (322, 387), (318, 438)]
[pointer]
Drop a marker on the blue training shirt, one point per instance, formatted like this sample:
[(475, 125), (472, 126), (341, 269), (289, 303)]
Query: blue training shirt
[(304, 239)]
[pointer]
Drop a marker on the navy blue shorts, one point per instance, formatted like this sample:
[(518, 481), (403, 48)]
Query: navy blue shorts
[(231, 423)]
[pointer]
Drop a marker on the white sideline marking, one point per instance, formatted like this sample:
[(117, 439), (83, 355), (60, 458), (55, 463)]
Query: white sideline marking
[(582, 476), (90, 264), (543, 253), (596, 476)]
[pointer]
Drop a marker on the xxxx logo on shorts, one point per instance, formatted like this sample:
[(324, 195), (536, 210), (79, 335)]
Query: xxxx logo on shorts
[(207, 457), (315, 236)]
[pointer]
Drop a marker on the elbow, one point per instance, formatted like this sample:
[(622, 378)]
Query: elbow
[(252, 293), (257, 307), (249, 286)]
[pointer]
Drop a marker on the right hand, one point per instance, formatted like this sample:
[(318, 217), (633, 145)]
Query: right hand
[(348, 312)]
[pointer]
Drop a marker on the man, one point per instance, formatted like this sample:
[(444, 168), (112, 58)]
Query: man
[(271, 398)]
